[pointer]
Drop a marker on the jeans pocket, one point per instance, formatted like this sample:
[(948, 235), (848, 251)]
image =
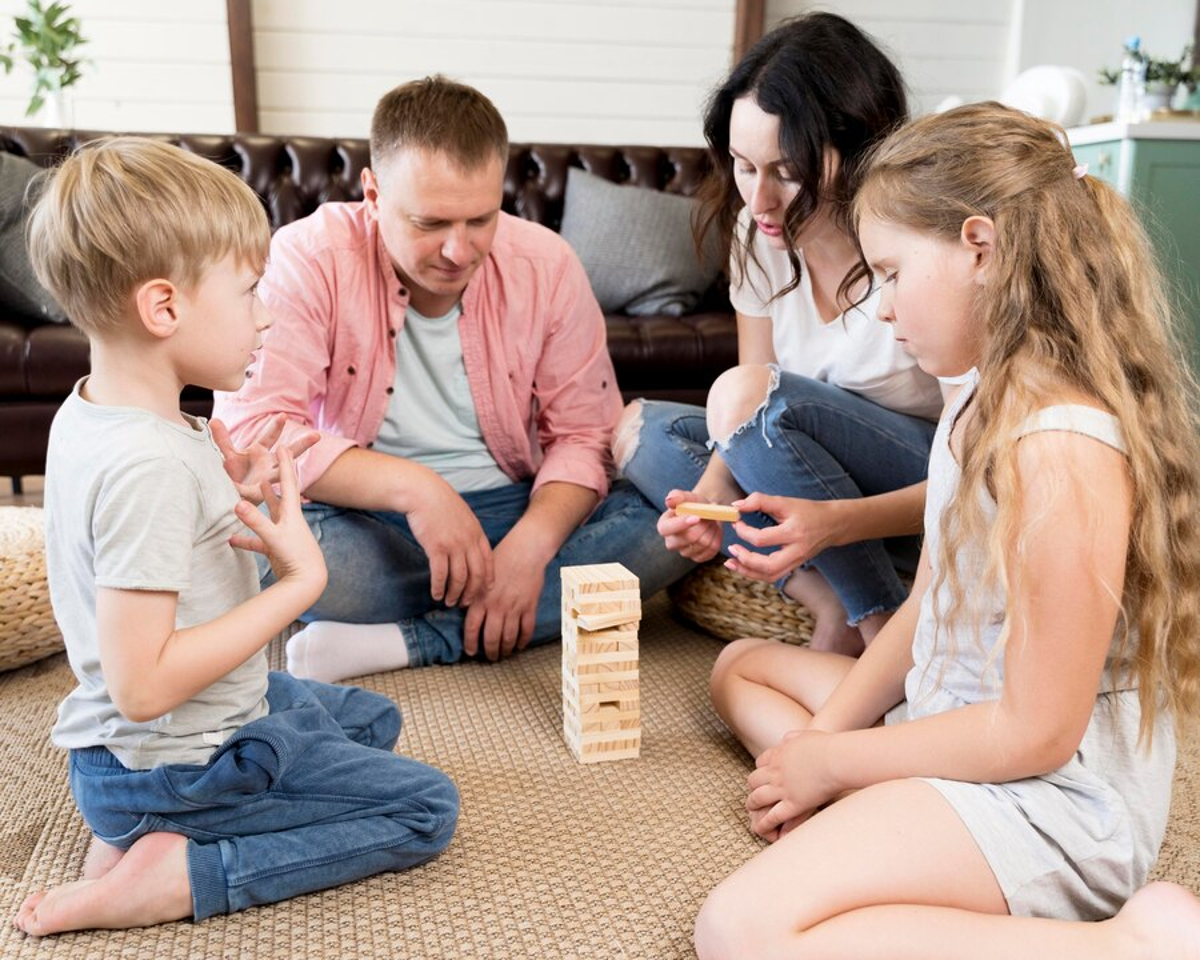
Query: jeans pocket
[(241, 771)]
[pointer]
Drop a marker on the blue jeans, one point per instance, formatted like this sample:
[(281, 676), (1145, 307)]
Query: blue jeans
[(809, 440), (306, 798), (378, 573)]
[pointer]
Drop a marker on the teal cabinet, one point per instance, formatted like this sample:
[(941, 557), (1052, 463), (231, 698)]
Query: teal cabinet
[(1157, 166)]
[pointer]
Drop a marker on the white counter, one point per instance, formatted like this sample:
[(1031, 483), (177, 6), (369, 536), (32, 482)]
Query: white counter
[(1149, 130)]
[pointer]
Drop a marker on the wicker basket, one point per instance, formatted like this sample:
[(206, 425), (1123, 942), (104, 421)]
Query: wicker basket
[(731, 606), (27, 628)]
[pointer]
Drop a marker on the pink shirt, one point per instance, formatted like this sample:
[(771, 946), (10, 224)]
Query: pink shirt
[(533, 341)]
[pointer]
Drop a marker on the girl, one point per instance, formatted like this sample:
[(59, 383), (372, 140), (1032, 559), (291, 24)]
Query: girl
[(825, 412), (1029, 684)]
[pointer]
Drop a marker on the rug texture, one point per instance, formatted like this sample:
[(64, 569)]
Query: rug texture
[(552, 859)]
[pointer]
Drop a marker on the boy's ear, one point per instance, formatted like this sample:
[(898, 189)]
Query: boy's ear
[(979, 236), (157, 303)]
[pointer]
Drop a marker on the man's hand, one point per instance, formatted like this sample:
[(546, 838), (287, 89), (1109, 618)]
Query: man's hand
[(692, 537), (803, 529), (504, 618), (258, 463), (460, 557), (790, 782)]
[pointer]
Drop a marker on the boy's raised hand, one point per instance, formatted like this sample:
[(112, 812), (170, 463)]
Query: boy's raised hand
[(249, 468), (283, 537)]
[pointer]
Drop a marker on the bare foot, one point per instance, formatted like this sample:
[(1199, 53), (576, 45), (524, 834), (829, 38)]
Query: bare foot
[(148, 885), (1161, 922), (831, 633), (101, 857)]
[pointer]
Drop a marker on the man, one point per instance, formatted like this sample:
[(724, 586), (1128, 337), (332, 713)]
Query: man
[(453, 359)]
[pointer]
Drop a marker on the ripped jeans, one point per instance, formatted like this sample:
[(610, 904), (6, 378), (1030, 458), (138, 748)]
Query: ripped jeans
[(809, 440)]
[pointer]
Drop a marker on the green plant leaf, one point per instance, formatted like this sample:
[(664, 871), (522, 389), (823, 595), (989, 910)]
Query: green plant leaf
[(44, 38)]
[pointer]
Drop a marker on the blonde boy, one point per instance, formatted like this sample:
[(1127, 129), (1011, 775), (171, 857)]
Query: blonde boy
[(207, 781)]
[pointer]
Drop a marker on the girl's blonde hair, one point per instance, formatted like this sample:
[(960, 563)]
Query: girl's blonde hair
[(1072, 298), (124, 210)]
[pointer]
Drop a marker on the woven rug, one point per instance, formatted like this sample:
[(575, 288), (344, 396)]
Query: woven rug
[(552, 859)]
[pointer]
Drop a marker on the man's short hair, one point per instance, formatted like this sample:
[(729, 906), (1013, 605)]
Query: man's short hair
[(440, 116), (124, 210)]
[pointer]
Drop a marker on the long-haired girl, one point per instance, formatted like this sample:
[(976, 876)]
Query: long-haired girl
[(1030, 687)]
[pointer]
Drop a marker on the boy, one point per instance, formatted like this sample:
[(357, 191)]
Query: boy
[(209, 784)]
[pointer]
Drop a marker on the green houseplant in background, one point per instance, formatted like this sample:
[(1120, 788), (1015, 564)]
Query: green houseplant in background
[(1161, 80), (47, 38)]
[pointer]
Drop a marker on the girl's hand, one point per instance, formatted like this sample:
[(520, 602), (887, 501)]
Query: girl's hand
[(803, 529), (790, 782), (692, 537), (257, 464), (283, 537)]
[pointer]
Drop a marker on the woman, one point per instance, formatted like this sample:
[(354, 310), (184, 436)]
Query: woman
[(825, 422)]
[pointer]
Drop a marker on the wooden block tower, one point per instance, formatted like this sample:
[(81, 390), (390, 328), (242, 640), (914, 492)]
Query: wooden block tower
[(601, 610)]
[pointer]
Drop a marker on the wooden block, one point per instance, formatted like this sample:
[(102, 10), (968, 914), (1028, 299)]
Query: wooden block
[(709, 511), (600, 621), (598, 578), (601, 609)]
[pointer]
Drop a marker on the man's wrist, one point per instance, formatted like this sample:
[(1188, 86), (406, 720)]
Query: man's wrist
[(525, 542), (412, 485)]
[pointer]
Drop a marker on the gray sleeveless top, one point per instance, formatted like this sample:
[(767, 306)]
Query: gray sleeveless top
[(947, 676), (1074, 843)]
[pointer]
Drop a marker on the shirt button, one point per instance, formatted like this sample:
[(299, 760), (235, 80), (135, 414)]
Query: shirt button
[(392, 332), (370, 445), (351, 371), (403, 292), (391, 390)]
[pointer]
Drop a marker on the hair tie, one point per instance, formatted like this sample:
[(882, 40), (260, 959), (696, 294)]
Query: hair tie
[(1080, 171)]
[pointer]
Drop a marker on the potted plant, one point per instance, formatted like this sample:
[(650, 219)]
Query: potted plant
[(47, 38), (1159, 81), (1162, 80)]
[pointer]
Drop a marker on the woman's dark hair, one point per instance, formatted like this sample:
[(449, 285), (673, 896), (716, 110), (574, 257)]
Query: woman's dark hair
[(830, 86)]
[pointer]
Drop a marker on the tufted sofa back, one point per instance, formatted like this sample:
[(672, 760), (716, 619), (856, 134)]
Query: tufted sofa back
[(673, 358), (295, 175)]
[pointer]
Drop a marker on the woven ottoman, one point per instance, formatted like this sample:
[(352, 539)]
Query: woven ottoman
[(731, 606), (27, 628)]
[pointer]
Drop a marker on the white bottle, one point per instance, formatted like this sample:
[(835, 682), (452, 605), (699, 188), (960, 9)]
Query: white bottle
[(1131, 81)]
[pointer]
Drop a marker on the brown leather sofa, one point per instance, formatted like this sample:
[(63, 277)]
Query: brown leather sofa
[(664, 357)]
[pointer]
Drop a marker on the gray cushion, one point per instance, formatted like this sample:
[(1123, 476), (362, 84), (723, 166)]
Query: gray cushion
[(636, 246), (19, 288)]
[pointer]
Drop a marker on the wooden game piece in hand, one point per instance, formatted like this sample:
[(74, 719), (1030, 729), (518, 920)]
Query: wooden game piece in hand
[(709, 511)]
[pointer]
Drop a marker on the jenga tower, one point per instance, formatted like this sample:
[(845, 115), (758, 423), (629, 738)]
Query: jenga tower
[(601, 609)]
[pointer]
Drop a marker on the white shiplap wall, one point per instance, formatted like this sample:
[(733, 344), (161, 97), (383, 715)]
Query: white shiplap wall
[(585, 71), (1096, 32), (153, 65), (942, 47)]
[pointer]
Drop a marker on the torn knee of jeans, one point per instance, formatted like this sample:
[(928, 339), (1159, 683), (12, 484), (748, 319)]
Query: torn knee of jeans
[(878, 608), (627, 435), (721, 443)]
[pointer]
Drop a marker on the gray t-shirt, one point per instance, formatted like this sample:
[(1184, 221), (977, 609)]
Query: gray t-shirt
[(431, 416), (134, 502)]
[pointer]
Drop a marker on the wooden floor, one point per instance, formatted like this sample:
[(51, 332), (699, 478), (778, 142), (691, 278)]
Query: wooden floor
[(31, 495)]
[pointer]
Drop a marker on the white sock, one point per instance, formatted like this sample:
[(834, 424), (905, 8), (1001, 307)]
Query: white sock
[(329, 651)]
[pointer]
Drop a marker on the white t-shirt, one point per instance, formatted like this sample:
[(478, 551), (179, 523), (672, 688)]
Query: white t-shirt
[(854, 351)]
